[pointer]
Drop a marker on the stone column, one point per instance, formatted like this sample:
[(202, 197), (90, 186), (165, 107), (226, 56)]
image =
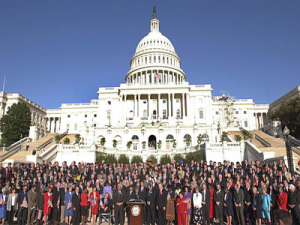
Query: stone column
[(158, 100), (169, 106), (148, 110), (187, 104), (134, 105), (183, 105), (173, 108), (138, 105)]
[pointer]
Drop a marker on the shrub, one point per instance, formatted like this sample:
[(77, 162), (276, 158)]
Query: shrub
[(153, 158), (196, 156), (237, 138), (109, 159), (100, 157), (178, 157), (123, 159), (67, 141), (165, 159), (136, 159)]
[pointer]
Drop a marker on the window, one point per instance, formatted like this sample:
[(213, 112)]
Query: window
[(236, 112), (164, 101), (187, 138), (145, 113), (201, 113), (144, 102), (108, 114), (245, 112), (178, 113), (95, 125), (169, 141), (68, 126), (85, 115), (69, 116), (246, 123), (217, 112), (75, 127), (237, 123), (164, 114), (177, 101), (135, 142), (154, 114)]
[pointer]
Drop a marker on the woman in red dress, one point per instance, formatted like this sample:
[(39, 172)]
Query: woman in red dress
[(94, 199), (211, 203), (282, 199), (48, 204), (181, 209)]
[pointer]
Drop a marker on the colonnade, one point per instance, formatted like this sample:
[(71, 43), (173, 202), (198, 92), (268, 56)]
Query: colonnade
[(53, 124), (149, 77), (261, 119), (166, 112)]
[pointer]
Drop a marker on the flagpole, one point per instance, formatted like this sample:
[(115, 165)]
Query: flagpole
[(4, 83)]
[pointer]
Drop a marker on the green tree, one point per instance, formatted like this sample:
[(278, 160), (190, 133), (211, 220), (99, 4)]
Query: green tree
[(196, 156), (109, 159), (136, 159), (178, 157), (123, 159), (15, 123), (289, 115), (100, 157), (153, 158), (165, 159)]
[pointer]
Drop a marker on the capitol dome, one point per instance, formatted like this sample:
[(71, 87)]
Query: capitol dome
[(155, 60)]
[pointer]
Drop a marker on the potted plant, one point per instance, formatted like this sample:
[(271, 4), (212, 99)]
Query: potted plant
[(159, 144), (129, 143), (77, 138), (115, 142), (174, 143), (67, 141), (188, 141), (102, 141), (144, 144), (246, 134), (237, 138), (57, 139), (199, 138), (224, 136)]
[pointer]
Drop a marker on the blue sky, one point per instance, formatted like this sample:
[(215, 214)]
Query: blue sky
[(62, 51)]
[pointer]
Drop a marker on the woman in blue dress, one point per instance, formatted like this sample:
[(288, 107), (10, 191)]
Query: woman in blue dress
[(3, 207), (68, 205), (188, 197), (265, 205)]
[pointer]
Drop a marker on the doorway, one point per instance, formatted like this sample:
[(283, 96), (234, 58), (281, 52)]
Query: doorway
[(152, 142)]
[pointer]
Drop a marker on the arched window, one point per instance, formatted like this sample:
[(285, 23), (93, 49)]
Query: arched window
[(154, 114), (149, 59), (178, 113), (135, 142), (163, 59), (201, 114), (169, 141), (164, 114), (158, 59), (99, 139), (119, 140), (187, 138)]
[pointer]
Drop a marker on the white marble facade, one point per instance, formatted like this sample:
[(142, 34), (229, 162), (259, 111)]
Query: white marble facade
[(156, 104)]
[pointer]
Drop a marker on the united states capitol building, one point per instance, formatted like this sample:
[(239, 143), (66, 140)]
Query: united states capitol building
[(156, 108), (155, 111)]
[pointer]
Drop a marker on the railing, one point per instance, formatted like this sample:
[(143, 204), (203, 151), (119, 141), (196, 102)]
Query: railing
[(49, 152), (294, 141), (44, 144), (263, 141), (254, 150), (63, 134), (14, 148)]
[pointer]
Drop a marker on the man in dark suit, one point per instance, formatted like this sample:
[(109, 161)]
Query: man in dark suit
[(219, 201), (205, 204), (150, 204), (56, 203), (40, 205), (161, 203), (238, 199), (62, 202), (119, 200), (248, 200), (23, 205), (76, 206)]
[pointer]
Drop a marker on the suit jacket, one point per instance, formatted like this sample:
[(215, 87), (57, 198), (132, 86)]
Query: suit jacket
[(151, 197), (161, 199), (9, 202), (62, 196), (56, 195), (206, 198), (31, 195), (219, 197), (108, 204), (76, 201), (118, 198), (238, 197), (21, 196), (256, 201), (40, 201)]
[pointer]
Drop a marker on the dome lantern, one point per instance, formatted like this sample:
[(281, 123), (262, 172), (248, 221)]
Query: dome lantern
[(154, 23)]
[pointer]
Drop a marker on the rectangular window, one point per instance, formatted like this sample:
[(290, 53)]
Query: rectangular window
[(109, 102), (95, 115), (217, 112), (245, 112), (246, 123), (201, 114), (164, 101), (69, 116), (236, 112), (177, 100)]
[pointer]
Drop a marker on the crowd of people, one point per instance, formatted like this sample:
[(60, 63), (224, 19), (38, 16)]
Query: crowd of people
[(176, 193)]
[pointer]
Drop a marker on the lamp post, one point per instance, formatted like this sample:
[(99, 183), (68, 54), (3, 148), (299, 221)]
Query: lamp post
[(20, 141), (289, 154)]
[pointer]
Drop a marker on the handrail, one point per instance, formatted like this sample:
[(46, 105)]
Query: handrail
[(44, 144), (294, 141), (14, 148), (263, 141), (63, 134), (51, 149)]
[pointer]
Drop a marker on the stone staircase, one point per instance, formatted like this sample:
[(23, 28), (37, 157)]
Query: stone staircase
[(45, 141), (277, 145)]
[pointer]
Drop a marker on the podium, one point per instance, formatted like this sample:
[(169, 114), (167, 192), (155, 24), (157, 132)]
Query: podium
[(136, 208)]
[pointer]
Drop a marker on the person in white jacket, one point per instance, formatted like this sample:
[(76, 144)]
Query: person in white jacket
[(197, 202)]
